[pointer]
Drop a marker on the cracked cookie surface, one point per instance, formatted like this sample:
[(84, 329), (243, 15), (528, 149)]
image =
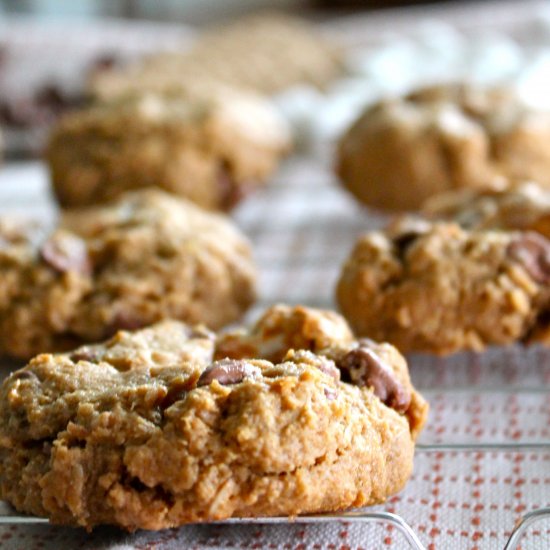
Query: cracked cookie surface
[(155, 428), (210, 144), (434, 287), (402, 151), (141, 259)]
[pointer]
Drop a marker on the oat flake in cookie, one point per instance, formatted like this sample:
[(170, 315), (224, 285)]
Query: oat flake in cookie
[(208, 143), (146, 257), (154, 429), (435, 287), (402, 151)]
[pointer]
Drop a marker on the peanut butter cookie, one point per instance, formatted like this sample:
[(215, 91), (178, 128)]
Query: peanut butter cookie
[(402, 151), (153, 429), (441, 289), (210, 145), (144, 258)]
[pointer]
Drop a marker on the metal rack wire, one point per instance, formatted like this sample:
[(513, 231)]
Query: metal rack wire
[(386, 518)]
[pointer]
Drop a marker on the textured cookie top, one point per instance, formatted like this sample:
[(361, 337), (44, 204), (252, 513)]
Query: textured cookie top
[(146, 257), (523, 206), (164, 344), (265, 53), (166, 219), (282, 328), (457, 109), (197, 114), (439, 288), (83, 237), (151, 370)]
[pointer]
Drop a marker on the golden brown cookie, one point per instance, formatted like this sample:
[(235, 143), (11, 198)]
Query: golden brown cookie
[(402, 151), (146, 257), (265, 53), (140, 432), (211, 145), (434, 287)]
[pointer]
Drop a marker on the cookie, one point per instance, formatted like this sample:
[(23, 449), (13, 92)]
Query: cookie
[(146, 257), (402, 151), (264, 53), (523, 206), (137, 433), (212, 147), (434, 287)]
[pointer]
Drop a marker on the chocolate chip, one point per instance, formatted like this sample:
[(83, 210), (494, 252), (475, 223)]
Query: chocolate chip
[(227, 372), (532, 251), (365, 368), (406, 232), (65, 252), (404, 241), (92, 355), (23, 375), (177, 391)]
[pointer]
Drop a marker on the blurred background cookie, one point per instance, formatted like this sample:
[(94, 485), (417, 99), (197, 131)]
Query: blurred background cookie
[(144, 258), (265, 53), (210, 144), (401, 151)]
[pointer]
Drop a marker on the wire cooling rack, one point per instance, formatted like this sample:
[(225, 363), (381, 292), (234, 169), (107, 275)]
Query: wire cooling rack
[(386, 518), (482, 465)]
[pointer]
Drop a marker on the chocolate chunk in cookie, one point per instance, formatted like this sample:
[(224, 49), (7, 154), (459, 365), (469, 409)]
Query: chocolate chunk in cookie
[(533, 252), (365, 368), (227, 372), (66, 252)]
